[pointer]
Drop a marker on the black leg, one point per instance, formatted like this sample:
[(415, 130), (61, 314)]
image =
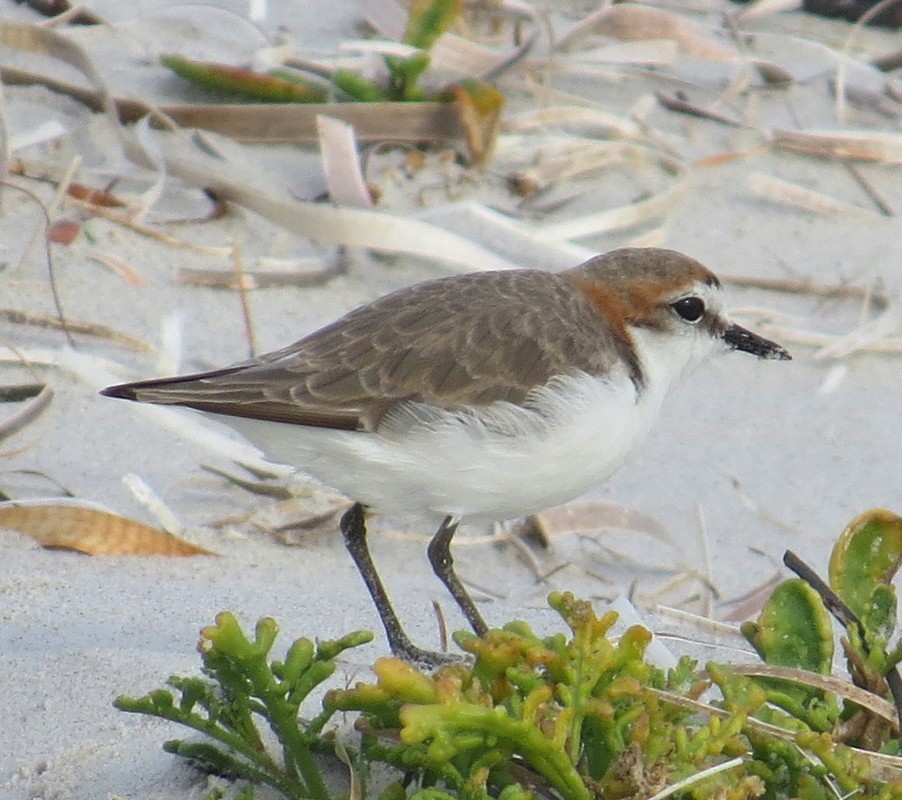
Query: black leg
[(443, 566), (353, 528)]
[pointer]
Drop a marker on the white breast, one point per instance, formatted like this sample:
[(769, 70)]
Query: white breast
[(507, 462)]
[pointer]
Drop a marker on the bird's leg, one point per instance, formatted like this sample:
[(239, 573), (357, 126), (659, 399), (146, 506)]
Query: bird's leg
[(353, 529), (443, 566)]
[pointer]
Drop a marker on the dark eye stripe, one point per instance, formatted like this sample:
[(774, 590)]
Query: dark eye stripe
[(691, 309)]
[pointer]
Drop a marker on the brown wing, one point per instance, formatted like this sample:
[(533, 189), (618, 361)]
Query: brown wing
[(469, 339)]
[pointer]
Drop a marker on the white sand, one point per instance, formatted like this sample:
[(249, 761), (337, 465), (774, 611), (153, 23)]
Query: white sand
[(75, 631)]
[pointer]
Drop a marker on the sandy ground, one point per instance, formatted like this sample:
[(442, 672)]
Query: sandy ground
[(748, 458)]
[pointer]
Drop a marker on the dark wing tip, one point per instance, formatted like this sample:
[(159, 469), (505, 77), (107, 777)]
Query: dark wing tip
[(133, 391), (125, 391)]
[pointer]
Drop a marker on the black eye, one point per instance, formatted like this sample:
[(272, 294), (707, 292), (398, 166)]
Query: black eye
[(691, 309)]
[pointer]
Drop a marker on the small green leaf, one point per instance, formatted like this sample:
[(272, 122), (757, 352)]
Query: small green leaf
[(357, 87), (866, 557), (252, 85), (793, 629)]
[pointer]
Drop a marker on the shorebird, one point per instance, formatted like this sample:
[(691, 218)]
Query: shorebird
[(483, 396)]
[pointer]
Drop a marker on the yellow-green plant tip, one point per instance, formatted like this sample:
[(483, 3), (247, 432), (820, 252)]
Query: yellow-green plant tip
[(265, 632), (404, 681), (226, 635), (300, 656), (429, 19)]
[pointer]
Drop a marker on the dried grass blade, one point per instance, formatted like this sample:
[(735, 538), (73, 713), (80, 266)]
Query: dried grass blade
[(613, 219), (696, 777), (599, 122), (783, 192), (220, 279), (92, 531), (885, 208), (861, 697), (581, 161), (685, 107), (761, 8), (122, 268), (855, 145), (19, 317), (126, 221), (263, 488)]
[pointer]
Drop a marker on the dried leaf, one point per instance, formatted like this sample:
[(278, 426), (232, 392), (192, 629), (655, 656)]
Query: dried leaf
[(92, 531), (63, 231), (96, 197), (480, 108), (372, 121), (591, 516), (341, 163)]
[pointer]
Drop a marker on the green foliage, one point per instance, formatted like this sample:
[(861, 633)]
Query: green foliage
[(243, 686), (862, 566), (581, 716), (794, 630)]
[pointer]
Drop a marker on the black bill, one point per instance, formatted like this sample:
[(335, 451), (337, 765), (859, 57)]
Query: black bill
[(738, 338)]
